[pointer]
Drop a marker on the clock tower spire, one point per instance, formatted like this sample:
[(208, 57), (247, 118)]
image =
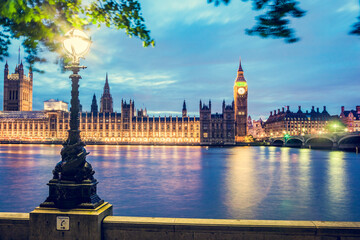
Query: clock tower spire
[(240, 99)]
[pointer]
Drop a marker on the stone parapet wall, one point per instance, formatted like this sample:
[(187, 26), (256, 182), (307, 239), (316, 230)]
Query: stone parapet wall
[(16, 226), (134, 228)]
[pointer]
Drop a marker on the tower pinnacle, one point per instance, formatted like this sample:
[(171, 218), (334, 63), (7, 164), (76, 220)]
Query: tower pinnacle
[(106, 103), (184, 111), (94, 106), (240, 74), (240, 67), (106, 87)]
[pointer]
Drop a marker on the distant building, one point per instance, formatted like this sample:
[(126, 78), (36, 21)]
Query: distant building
[(18, 89), (351, 119), (240, 99), (131, 126), (296, 123), (55, 105), (116, 128), (142, 113), (217, 128), (256, 128)]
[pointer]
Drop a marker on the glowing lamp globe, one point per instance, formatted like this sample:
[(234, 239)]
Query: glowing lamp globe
[(76, 44)]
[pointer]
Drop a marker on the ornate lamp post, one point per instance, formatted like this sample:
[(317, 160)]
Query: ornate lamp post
[(73, 184)]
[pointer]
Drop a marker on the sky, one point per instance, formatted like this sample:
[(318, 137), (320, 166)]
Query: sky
[(197, 52)]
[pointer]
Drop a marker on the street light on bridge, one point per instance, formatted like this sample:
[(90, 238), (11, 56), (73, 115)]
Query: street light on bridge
[(335, 126)]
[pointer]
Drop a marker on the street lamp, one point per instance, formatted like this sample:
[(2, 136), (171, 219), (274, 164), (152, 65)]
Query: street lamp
[(73, 184), (76, 44), (335, 126)]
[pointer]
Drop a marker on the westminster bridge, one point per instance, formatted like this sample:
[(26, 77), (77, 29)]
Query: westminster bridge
[(341, 141)]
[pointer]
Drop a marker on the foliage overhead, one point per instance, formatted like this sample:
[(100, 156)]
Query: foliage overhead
[(275, 21), (356, 28), (39, 24)]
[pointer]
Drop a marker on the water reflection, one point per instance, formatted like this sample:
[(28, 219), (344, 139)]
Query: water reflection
[(304, 175), (148, 177), (246, 184), (336, 183), (184, 181)]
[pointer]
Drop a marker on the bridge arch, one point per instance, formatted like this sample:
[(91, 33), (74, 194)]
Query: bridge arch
[(294, 142), (322, 142), (349, 142), (277, 142)]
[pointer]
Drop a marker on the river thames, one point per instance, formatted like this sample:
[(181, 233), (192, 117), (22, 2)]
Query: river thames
[(197, 182)]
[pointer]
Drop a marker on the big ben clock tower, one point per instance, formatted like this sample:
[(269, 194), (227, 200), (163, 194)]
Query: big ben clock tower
[(240, 99)]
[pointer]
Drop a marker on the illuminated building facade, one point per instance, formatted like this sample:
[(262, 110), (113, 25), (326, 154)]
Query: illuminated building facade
[(116, 128), (131, 126), (240, 99), (121, 128), (18, 89), (256, 128), (351, 119), (296, 123)]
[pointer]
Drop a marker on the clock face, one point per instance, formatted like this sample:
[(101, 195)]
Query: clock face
[(241, 91)]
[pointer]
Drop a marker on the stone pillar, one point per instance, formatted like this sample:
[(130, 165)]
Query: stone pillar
[(82, 224)]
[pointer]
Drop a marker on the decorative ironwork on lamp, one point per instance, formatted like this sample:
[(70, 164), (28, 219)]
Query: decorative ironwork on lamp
[(73, 184)]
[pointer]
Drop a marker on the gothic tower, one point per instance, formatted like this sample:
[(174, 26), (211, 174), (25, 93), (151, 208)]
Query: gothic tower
[(184, 111), (205, 122), (94, 106), (240, 98), (106, 103), (17, 89)]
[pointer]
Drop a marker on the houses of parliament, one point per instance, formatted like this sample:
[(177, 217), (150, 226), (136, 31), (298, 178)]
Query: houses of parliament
[(18, 123)]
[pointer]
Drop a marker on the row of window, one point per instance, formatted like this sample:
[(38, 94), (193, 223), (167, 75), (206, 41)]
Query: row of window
[(64, 135), (24, 126)]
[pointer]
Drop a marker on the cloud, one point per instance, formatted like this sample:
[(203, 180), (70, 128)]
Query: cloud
[(196, 57), (162, 15), (351, 6), (134, 80)]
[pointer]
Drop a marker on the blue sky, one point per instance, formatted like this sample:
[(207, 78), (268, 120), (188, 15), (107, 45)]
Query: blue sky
[(197, 53)]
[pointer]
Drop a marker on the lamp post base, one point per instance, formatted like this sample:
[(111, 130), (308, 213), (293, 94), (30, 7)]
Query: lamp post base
[(70, 194)]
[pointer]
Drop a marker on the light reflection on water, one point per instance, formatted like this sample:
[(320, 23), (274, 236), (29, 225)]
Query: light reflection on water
[(198, 182)]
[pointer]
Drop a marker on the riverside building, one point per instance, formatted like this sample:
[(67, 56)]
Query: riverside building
[(351, 118), (130, 126), (296, 123)]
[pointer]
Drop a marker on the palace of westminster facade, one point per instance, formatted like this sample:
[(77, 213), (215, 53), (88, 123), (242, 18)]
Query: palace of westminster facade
[(18, 123)]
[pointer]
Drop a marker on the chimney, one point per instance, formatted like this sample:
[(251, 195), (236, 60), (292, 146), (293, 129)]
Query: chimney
[(312, 108), (274, 112), (270, 113), (288, 108), (278, 110), (317, 109), (324, 108), (342, 109), (358, 109), (283, 109)]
